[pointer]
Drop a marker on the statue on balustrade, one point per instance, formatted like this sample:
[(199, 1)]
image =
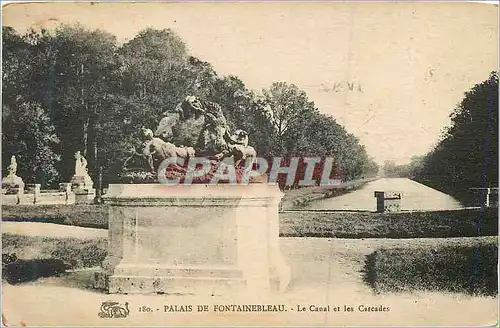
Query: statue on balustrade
[(11, 183), (81, 179)]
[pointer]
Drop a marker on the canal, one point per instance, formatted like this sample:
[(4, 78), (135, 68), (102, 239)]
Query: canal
[(415, 196)]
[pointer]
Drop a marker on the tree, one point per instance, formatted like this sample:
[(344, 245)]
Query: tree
[(243, 110), (86, 73), (77, 86), (153, 67), (73, 70), (15, 66), (156, 74), (69, 73), (288, 111), (325, 137), (27, 130), (299, 129), (467, 155), (389, 168), (29, 135)]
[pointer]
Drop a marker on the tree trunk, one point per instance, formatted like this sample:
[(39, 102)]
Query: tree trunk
[(91, 148), (85, 136)]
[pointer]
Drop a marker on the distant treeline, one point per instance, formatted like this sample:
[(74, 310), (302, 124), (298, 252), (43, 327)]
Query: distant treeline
[(467, 154), (77, 89), (410, 170)]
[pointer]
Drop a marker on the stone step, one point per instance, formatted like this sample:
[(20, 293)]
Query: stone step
[(178, 271), (174, 285)]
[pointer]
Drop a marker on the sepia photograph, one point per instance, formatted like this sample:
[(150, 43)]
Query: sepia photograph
[(286, 163)]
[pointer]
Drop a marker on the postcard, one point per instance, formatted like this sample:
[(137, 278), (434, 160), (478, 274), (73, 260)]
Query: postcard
[(249, 164)]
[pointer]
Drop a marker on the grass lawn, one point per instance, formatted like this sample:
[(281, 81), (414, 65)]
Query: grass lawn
[(90, 216), (468, 269), (436, 224)]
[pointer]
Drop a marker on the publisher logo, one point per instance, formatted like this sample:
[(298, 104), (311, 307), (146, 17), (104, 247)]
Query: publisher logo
[(111, 309)]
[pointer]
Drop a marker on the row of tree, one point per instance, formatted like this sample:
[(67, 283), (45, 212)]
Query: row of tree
[(409, 170), (467, 155), (78, 89)]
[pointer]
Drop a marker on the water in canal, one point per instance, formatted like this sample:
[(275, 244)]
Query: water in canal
[(415, 196)]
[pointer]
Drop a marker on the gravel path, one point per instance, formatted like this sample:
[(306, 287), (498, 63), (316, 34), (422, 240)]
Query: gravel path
[(53, 230)]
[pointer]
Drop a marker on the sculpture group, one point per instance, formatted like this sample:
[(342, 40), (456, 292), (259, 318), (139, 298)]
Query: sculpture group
[(195, 128)]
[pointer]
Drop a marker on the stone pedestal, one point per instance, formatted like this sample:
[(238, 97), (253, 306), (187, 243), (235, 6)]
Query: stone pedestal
[(12, 189), (13, 185), (84, 196), (193, 239), (388, 201), (82, 187)]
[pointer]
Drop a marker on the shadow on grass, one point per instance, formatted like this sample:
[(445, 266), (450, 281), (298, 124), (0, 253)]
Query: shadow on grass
[(48, 257), (16, 271), (368, 272), (470, 270), (77, 253)]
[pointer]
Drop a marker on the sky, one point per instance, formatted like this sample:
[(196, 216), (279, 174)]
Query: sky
[(391, 73)]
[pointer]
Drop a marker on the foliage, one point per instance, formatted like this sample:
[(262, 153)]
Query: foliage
[(69, 73), (325, 137), (410, 170), (29, 135), (288, 111), (299, 129), (77, 89), (467, 155), (244, 110)]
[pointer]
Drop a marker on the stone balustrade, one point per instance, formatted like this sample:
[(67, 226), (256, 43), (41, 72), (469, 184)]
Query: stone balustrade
[(35, 195), (487, 197)]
